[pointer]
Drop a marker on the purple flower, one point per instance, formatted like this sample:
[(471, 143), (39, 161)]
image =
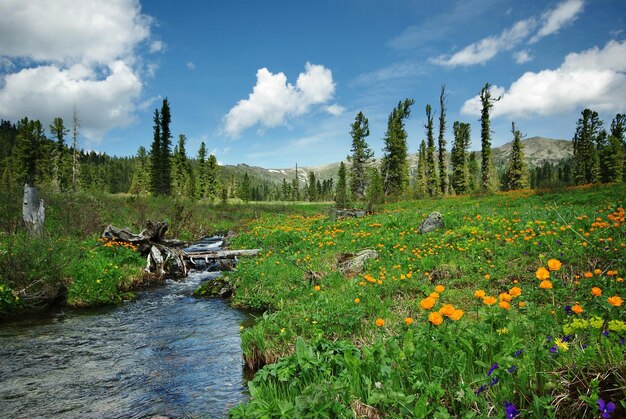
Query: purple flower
[(606, 333), (517, 353), (494, 381), (512, 369), (621, 341), (492, 369), (554, 350), (559, 242), (511, 410), (568, 310), (606, 408), (549, 338), (481, 389), (585, 345), (567, 338)]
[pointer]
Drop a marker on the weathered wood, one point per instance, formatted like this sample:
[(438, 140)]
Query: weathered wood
[(33, 211), (220, 254)]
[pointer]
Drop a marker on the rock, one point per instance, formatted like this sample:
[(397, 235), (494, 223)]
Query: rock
[(215, 287), (431, 223), (353, 213), (351, 264)]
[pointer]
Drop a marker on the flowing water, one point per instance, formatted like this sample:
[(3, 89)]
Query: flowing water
[(166, 353)]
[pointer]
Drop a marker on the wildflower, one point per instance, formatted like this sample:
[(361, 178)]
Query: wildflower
[(457, 315), (511, 369), (434, 295), (479, 294), (503, 331), (428, 303), (481, 389), (562, 345), (596, 291), (615, 300), (597, 271), (357, 301), (515, 292), (435, 318), (568, 310), (440, 288), (611, 273), (489, 300), (518, 353), (522, 304), (494, 381), (511, 410), (487, 276), (505, 296), (408, 321), (542, 273), (606, 408), (554, 264), (317, 288), (606, 333), (588, 275), (545, 284), (577, 309), (447, 310), (554, 350), (505, 305), (494, 367), (380, 322)]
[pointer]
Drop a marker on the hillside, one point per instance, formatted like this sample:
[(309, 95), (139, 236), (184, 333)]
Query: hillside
[(537, 150)]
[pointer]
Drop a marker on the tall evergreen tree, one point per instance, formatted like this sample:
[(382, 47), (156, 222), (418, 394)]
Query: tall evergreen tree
[(341, 194), (459, 157), (75, 164), (395, 170), (213, 178), (488, 178), (586, 158), (155, 155), (61, 171), (201, 172), (361, 154), (312, 187), (183, 181), (245, 190), (473, 169), (29, 138), (140, 182), (375, 193), (517, 171), (618, 131), (166, 153), (431, 174), (419, 183), (443, 170)]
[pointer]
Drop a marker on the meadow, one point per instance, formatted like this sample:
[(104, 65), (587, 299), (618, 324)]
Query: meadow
[(515, 308)]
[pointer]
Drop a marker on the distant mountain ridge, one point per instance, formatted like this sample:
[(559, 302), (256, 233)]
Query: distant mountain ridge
[(536, 149)]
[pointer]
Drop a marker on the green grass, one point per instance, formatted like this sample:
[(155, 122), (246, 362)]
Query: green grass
[(362, 358)]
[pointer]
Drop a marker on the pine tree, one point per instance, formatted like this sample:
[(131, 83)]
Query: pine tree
[(155, 156), (140, 183), (213, 178), (75, 163), (341, 194), (586, 158), (60, 175), (443, 170), (395, 170), (431, 174), (245, 190), (27, 151), (166, 153), (183, 181), (201, 172), (312, 188), (618, 131), (459, 157), (488, 178), (361, 154), (517, 171), (419, 183), (473, 169), (375, 193)]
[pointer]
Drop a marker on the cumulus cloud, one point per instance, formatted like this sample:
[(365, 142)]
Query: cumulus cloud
[(522, 57), (594, 78), (335, 109), (273, 99), (65, 53), (484, 50), (553, 20)]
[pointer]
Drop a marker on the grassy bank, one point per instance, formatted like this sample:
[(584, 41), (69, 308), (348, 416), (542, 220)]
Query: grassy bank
[(515, 306), (69, 265)]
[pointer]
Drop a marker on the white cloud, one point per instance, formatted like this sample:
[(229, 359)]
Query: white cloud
[(273, 99), (484, 50), (70, 53), (595, 78), (190, 65), (553, 20), (156, 46), (394, 71), (522, 57), (335, 109)]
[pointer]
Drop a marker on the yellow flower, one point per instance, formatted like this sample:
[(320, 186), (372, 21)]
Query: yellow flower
[(435, 318), (479, 294), (428, 303), (458, 313), (596, 291), (357, 301), (515, 291), (489, 300), (554, 264), (317, 288), (542, 273), (597, 271), (545, 284), (440, 288), (408, 321), (615, 300), (487, 276), (562, 345), (380, 322), (503, 331)]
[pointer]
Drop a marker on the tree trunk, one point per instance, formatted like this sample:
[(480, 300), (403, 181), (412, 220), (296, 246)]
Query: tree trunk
[(33, 211)]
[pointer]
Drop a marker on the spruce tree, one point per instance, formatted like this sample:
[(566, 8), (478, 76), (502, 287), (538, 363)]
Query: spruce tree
[(155, 155), (312, 187), (419, 183), (618, 131), (166, 153), (140, 182), (361, 154), (60, 170), (517, 171), (586, 158), (459, 157), (443, 170), (488, 179), (395, 169), (201, 174), (245, 190), (213, 178), (375, 194), (431, 174), (341, 194)]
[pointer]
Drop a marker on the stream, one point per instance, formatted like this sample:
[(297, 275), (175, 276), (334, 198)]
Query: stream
[(165, 354)]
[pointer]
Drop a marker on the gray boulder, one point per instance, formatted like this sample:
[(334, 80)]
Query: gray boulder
[(433, 222)]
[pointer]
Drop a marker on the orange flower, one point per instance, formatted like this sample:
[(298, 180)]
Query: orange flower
[(542, 273), (357, 301), (317, 288), (505, 305), (428, 303), (380, 322), (435, 318), (612, 273), (554, 264), (479, 293), (505, 296), (615, 300), (434, 295), (440, 288), (457, 315), (588, 274), (447, 310), (596, 291), (577, 309), (522, 303), (487, 276), (545, 284), (408, 321), (515, 291), (489, 300), (597, 271)]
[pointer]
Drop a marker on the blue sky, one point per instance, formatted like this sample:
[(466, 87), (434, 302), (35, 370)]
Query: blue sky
[(276, 83)]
